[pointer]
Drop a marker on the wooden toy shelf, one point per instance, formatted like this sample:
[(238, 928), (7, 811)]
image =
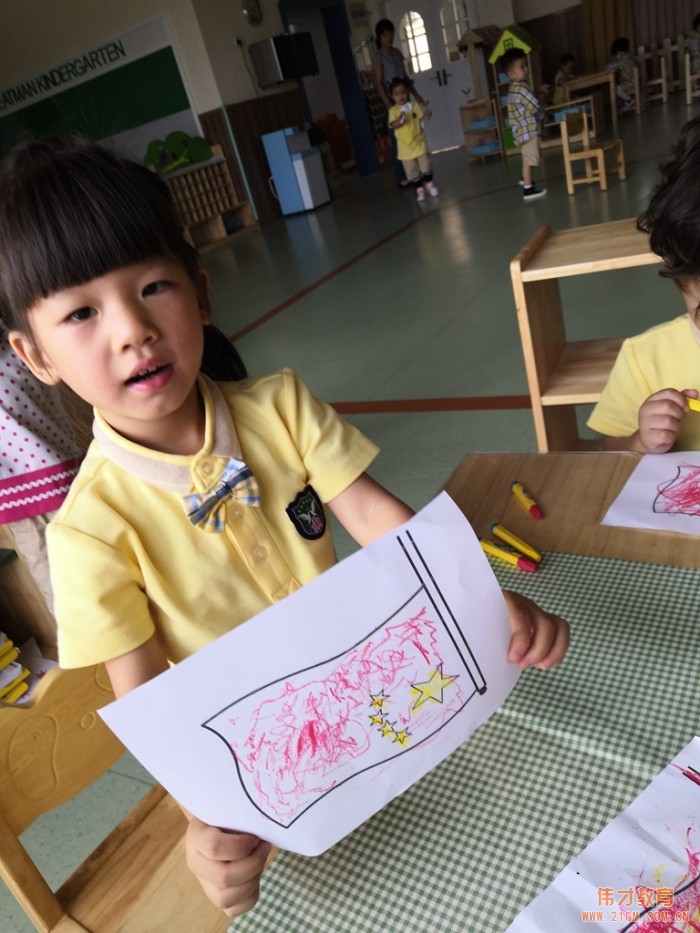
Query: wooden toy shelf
[(563, 374), (482, 130), (203, 193)]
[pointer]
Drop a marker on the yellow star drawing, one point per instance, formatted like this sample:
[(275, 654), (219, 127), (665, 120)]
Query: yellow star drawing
[(432, 688), (377, 701), (402, 737), (387, 729), (376, 720)]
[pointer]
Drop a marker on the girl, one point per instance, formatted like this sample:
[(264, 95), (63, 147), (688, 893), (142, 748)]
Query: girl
[(183, 519), (388, 63), (406, 120)]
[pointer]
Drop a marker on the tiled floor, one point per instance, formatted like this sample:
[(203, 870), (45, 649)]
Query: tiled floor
[(375, 298)]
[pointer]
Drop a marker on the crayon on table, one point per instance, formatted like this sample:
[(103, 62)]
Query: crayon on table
[(18, 691), (526, 500), (500, 532), (516, 559)]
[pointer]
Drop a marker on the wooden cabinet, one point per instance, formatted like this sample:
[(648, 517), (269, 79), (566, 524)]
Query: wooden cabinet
[(205, 196), (482, 133), (563, 374)]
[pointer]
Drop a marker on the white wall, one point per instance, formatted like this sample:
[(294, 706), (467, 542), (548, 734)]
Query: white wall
[(39, 33), (495, 13), (220, 22)]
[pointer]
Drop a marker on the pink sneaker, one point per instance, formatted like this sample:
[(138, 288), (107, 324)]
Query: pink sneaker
[(432, 189), (420, 194)]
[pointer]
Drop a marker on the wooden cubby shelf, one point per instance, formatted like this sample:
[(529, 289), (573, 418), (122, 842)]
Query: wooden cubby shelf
[(562, 374)]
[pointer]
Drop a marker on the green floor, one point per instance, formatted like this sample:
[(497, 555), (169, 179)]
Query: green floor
[(380, 299)]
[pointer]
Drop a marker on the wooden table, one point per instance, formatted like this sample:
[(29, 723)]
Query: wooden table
[(594, 80), (574, 491), (473, 842)]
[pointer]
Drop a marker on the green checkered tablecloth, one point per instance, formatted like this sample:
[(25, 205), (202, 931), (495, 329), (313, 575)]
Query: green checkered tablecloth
[(473, 842)]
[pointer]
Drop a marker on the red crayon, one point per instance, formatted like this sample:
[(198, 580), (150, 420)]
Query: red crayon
[(526, 500)]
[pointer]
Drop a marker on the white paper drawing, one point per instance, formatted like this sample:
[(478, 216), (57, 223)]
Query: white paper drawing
[(642, 873), (662, 493), (306, 720)]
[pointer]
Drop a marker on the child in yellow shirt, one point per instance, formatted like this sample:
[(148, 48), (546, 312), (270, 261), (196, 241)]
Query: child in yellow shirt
[(406, 120)]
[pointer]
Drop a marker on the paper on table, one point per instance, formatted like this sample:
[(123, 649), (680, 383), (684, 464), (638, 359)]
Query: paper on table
[(641, 874), (663, 493), (302, 723)]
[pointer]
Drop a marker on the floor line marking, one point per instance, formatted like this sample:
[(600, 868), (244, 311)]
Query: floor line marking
[(462, 403), (297, 296)]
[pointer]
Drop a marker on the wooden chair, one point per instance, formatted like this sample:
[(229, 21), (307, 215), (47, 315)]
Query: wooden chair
[(136, 881), (574, 129), (692, 82), (651, 87)]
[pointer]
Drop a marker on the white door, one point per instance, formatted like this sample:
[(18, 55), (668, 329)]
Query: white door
[(427, 32)]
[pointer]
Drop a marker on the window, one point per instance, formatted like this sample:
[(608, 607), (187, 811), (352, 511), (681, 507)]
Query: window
[(415, 42), (454, 20)]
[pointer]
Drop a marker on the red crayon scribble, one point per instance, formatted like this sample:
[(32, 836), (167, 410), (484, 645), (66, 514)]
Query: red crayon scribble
[(680, 495), (686, 901), (297, 739)]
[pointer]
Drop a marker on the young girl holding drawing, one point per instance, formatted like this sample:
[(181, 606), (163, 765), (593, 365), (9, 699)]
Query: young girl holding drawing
[(199, 503)]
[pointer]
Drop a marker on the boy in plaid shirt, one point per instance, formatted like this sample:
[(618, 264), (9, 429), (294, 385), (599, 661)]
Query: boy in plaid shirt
[(525, 115)]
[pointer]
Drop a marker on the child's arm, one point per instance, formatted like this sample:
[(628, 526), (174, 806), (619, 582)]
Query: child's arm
[(367, 510), (227, 865), (399, 121), (660, 419)]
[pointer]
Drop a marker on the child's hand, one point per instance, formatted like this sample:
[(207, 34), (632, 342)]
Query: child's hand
[(227, 865), (402, 119), (539, 638), (660, 420)]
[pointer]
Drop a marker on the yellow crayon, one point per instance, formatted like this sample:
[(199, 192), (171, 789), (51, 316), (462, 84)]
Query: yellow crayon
[(18, 691), (6, 647), (500, 532), (523, 562), (9, 688), (7, 657), (526, 500), (693, 404)]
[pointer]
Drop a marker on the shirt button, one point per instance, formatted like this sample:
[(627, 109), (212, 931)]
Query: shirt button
[(205, 469), (237, 512), (259, 553)]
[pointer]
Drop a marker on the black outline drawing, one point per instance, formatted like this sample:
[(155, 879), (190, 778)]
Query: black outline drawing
[(444, 615), (661, 489)]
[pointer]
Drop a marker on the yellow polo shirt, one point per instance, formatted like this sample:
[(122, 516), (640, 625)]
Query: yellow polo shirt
[(666, 356), (125, 559), (410, 137)]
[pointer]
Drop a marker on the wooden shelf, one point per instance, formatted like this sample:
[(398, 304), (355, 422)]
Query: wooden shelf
[(482, 134), (203, 194), (562, 374), (581, 372)]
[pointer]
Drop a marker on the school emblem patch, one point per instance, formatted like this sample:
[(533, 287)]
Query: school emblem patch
[(307, 515)]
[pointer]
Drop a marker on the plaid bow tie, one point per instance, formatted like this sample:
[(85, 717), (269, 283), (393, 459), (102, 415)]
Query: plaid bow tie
[(207, 509)]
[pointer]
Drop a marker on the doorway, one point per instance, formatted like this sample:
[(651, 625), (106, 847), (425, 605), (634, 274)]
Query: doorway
[(427, 32)]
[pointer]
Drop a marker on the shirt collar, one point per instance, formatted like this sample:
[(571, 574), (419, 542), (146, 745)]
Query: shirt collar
[(173, 472)]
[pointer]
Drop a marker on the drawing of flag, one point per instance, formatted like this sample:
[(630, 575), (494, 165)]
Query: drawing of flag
[(296, 739)]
